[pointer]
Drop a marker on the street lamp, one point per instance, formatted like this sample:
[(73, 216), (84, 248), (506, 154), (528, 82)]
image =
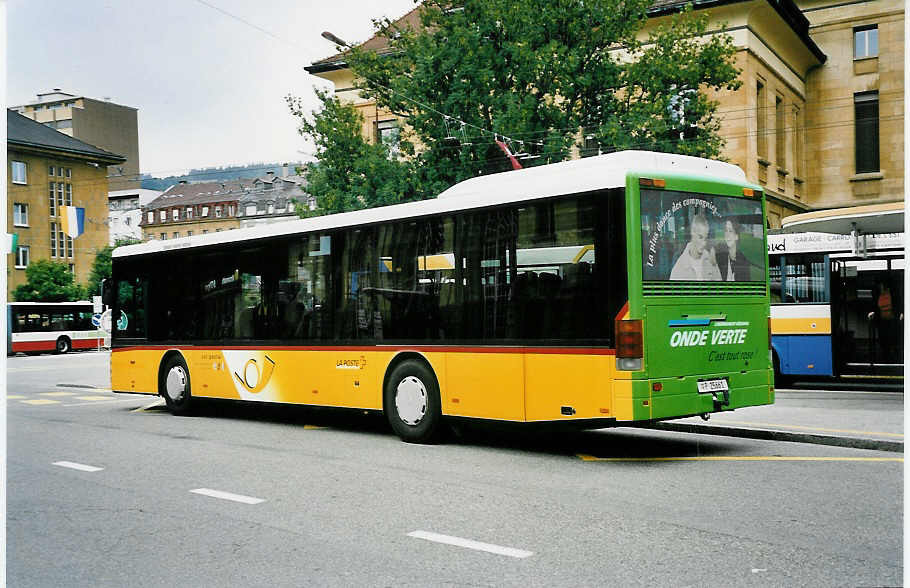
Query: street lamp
[(332, 38)]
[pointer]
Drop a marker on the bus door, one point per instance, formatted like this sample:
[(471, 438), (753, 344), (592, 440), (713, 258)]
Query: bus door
[(868, 313)]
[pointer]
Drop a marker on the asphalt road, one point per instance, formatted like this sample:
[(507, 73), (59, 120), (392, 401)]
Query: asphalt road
[(283, 496)]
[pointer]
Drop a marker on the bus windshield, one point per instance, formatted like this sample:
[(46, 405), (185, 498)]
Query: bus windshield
[(701, 237)]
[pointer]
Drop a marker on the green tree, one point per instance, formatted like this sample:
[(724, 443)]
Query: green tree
[(101, 267), (540, 79), (49, 281), (350, 173)]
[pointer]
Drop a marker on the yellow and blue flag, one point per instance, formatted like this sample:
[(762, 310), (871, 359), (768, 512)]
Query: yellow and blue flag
[(72, 220)]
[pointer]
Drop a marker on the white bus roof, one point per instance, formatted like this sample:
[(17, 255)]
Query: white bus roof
[(568, 177), (867, 219)]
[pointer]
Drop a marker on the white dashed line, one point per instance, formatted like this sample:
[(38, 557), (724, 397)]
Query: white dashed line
[(469, 544), (227, 496), (77, 466)]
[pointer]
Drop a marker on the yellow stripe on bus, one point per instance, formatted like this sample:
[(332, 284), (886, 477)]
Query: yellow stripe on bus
[(801, 326)]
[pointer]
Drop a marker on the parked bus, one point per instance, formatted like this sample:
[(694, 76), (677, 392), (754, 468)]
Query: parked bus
[(615, 289), (51, 326), (837, 309)]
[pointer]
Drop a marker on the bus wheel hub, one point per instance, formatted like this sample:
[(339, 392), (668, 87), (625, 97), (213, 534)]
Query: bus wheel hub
[(175, 385), (411, 400)]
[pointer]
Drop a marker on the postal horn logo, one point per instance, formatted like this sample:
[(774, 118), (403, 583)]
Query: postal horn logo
[(256, 377)]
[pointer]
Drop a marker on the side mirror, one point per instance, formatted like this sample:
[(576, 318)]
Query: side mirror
[(107, 292)]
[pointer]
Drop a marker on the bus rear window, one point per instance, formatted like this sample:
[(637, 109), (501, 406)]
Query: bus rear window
[(701, 237)]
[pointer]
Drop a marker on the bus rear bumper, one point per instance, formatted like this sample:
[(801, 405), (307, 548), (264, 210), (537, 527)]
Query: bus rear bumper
[(667, 398)]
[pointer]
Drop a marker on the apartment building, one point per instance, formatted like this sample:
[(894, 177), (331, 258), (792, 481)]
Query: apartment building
[(818, 120), (48, 170), (112, 127), (196, 208)]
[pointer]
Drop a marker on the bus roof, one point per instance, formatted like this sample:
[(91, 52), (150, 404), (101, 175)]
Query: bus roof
[(869, 218), (568, 177), (80, 303)]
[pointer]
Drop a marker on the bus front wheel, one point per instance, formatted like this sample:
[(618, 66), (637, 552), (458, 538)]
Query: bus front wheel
[(174, 385), (411, 402), (63, 345)]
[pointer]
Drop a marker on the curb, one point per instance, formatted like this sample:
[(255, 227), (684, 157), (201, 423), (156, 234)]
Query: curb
[(89, 386), (769, 435)]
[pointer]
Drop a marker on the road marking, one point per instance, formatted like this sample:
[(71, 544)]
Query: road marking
[(159, 402), (58, 393), (105, 401), (313, 427), (469, 544), (15, 396), (227, 496), (750, 423), (77, 466), (38, 401), (584, 457)]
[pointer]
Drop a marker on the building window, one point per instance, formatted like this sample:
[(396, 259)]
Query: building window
[(163, 216), (151, 217), (205, 231), (69, 194), (61, 242), (51, 170), (218, 211), (73, 268), (780, 138), (865, 42), (217, 230), (52, 208), (761, 127), (69, 170), (205, 211), (20, 214), (388, 134), (866, 116), (176, 235), (163, 236), (230, 210), (126, 221), (189, 233), (175, 214), (271, 208), (797, 143), (60, 195), (19, 175), (22, 257), (69, 247), (53, 239), (250, 209), (189, 212)]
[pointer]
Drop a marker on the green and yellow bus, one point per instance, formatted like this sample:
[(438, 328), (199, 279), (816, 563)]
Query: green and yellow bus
[(610, 290)]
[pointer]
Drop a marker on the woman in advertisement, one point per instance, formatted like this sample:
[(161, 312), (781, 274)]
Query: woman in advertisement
[(732, 263)]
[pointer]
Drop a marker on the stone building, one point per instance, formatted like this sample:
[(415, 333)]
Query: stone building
[(196, 208), (46, 171), (818, 120)]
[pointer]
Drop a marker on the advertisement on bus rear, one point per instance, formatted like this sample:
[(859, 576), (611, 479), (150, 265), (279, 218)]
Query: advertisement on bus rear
[(701, 237)]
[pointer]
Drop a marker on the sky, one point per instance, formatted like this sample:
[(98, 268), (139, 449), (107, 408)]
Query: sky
[(210, 89)]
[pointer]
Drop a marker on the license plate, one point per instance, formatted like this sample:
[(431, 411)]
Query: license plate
[(720, 385)]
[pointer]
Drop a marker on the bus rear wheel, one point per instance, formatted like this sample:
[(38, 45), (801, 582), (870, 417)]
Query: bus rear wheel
[(174, 386), (63, 345), (411, 402)]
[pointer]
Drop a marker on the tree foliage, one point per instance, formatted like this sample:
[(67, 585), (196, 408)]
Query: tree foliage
[(350, 173), (49, 281), (101, 267), (541, 78)]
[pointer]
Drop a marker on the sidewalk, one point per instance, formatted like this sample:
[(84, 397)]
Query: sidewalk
[(845, 418)]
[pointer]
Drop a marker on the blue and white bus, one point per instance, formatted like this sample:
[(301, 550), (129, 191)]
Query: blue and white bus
[(837, 305)]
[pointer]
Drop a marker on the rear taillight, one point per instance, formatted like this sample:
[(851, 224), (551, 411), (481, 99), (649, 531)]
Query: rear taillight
[(629, 339)]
